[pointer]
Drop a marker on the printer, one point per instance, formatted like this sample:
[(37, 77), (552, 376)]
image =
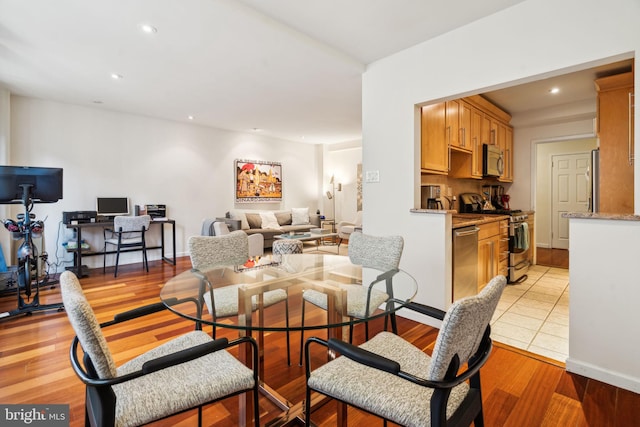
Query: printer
[(79, 217), (156, 211)]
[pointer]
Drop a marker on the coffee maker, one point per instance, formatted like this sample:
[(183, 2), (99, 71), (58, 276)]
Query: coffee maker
[(431, 197)]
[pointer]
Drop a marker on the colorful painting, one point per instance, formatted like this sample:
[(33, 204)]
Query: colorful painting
[(258, 181)]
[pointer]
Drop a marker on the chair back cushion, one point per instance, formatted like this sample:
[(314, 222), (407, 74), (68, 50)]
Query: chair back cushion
[(215, 251), (220, 228), (463, 327), (86, 326), (375, 252), (131, 223)]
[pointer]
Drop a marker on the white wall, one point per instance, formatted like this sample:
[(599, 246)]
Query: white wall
[(603, 307), (530, 40), (5, 128), (189, 168)]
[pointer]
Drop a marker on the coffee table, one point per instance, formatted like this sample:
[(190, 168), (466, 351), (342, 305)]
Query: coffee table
[(308, 237)]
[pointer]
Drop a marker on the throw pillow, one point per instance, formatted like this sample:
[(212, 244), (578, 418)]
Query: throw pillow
[(284, 218), (269, 220), (254, 220), (299, 216)]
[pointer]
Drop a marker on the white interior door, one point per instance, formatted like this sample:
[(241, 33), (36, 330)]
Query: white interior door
[(570, 193)]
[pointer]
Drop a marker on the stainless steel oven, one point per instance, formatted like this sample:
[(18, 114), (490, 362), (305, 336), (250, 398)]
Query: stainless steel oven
[(519, 247)]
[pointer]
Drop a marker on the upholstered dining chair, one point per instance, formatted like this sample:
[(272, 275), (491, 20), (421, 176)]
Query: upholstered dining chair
[(379, 252), (230, 249), (215, 227), (389, 377), (184, 373), (128, 232)]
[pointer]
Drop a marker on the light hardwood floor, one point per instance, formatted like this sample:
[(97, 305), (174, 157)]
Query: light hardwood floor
[(518, 389)]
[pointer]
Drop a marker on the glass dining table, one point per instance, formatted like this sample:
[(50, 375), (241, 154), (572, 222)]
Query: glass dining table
[(332, 275)]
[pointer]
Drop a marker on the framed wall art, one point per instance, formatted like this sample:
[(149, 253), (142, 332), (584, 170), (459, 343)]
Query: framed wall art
[(258, 181)]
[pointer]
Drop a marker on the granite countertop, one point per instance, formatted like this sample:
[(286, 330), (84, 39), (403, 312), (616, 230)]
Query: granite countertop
[(459, 220), (598, 215), (466, 220)]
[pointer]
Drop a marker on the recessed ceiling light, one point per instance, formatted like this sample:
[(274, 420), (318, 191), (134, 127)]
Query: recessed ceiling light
[(554, 90), (148, 28), (190, 117), (116, 76)]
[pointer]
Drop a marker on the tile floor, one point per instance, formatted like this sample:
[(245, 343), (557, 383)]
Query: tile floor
[(534, 315)]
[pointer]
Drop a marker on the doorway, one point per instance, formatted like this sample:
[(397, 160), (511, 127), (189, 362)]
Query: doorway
[(569, 193), (546, 190)]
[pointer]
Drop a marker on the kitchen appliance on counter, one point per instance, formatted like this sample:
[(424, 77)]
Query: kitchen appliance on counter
[(431, 197), (518, 233)]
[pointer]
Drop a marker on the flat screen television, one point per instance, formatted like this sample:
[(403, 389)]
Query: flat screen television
[(112, 206), (43, 185)]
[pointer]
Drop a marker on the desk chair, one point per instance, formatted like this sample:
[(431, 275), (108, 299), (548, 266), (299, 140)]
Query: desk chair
[(382, 253), (390, 377), (231, 249), (185, 372), (128, 233)]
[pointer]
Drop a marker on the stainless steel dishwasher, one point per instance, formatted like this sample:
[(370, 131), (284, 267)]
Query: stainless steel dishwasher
[(465, 262)]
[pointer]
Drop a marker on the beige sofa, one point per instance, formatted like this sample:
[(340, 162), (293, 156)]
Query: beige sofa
[(272, 223)]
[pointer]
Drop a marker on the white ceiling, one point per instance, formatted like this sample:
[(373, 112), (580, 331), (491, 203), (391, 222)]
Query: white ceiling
[(291, 68)]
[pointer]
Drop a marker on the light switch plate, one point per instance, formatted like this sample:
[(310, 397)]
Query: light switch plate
[(372, 176)]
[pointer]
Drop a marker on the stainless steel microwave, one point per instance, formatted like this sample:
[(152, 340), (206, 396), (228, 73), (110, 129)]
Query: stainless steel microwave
[(492, 161)]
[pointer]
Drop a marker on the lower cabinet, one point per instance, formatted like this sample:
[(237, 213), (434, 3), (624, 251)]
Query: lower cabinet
[(503, 264), (488, 252), (493, 251)]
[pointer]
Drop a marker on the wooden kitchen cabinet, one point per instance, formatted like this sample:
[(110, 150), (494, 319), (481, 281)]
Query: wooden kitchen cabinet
[(503, 253), (434, 145), (488, 252), (453, 133), (458, 123), (507, 153), (476, 143), (615, 132), (532, 238)]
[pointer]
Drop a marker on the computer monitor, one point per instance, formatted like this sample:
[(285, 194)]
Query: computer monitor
[(112, 206), (42, 185)]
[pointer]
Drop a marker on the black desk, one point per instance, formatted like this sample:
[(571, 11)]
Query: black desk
[(78, 253)]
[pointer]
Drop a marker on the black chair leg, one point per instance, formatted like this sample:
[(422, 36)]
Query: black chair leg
[(302, 332), (115, 273), (144, 254), (286, 320)]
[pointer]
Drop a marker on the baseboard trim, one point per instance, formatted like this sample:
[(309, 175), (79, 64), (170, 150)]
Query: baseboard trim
[(607, 376)]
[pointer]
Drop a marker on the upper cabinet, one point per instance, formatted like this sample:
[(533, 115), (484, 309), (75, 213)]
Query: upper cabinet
[(434, 144), (453, 133), (615, 112)]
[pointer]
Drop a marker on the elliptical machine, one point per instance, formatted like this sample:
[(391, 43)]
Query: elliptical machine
[(28, 282)]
